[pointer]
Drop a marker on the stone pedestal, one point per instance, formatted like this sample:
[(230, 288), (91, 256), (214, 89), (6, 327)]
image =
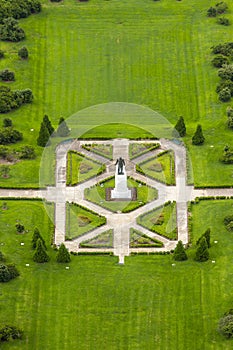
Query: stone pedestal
[(121, 190)]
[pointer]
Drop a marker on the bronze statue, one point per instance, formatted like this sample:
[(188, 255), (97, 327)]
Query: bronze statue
[(120, 163)]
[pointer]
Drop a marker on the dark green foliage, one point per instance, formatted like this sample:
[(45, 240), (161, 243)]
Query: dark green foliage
[(13, 270), (10, 30), (63, 255), (62, 129), (228, 222), (219, 60), (198, 138), (206, 234), (48, 124), (7, 122), (10, 135), (212, 12), (226, 72), (26, 95), (202, 252), (27, 152), (13, 99), (40, 255), (23, 53), (7, 75), (221, 7), (44, 136), (2, 54), (18, 8), (225, 84), (179, 252), (225, 95), (10, 333), (225, 326), (19, 228), (226, 49), (223, 21), (180, 127), (227, 156), (8, 272), (5, 275), (55, 0), (35, 237), (228, 219)]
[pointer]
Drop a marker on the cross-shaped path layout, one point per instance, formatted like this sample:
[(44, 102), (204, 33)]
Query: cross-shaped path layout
[(120, 223)]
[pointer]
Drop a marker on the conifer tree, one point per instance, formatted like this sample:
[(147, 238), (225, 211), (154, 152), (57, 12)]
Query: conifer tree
[(63, 255), (44, 135), (206, 234), (36, 235), (48, 124), (180, 127), (23, 53), (198, 138), (40, 254), (179, 252), (202, 252), (62, 129)]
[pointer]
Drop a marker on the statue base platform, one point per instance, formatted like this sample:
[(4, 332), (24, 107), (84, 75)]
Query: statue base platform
[(121, 190), (121, 195)]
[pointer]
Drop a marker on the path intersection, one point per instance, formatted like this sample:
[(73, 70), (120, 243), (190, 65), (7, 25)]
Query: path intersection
[(120, 223)]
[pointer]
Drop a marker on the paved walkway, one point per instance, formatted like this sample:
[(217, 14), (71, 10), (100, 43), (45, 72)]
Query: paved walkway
[(120, 223)]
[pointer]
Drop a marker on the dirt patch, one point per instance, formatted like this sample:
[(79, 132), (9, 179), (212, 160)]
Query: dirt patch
[(83, 220)]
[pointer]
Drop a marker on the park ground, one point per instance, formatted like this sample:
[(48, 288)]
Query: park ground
[(155, 54)]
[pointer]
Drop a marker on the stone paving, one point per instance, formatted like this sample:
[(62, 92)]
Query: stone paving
[(121, 223)]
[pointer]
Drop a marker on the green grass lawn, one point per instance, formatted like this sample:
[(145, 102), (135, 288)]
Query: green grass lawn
[(81, 168), (97, 194), (98, 304), (140, 240), (155, 54), (161, 221), (161, 168), (137, 149), (103, 240), (102, 150), (80, 221)]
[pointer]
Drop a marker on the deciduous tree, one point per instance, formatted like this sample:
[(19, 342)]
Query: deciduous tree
[(23, 53)]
